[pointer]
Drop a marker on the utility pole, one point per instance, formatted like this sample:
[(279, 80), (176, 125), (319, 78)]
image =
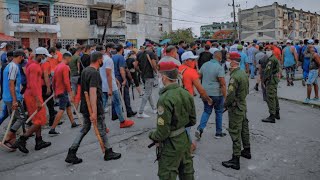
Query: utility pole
[(234, 16)]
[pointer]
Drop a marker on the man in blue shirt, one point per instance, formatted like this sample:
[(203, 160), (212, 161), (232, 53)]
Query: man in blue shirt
[(213, 81), (244, 59), (4, 61), (11, 94), (306, 60), (252, 61), (181, 49), (120, 66)]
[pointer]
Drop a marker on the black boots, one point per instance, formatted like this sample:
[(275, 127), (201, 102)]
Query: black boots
[(277, 115), (270, 119), (110, 155), (234, 163), (246, 153), (40, 144), (72, 157), (21, 144)]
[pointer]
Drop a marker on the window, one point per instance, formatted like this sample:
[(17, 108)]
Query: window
[(70, 11), (132, 18), (259, 14), (65, 42), (160, 11), (44, 42), (260, 34), (160, 27), (260, 23)]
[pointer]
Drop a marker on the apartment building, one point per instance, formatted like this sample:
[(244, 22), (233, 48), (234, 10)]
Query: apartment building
[(208, 31), (278, 23), (84, 21)]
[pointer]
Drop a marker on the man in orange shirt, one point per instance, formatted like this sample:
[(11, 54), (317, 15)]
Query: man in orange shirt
[(33, 99), (62, 88), (277, 53), (53, 61), (59, 54)]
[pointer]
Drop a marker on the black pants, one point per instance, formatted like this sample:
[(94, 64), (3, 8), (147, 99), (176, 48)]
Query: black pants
[(50, 104)]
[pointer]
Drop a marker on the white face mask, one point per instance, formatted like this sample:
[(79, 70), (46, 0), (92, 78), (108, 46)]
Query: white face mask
[(55, 56), (269, 53), (43, 60), (228, 64)]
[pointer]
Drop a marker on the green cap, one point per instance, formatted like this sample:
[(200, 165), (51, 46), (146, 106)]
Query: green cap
[(240, 47)]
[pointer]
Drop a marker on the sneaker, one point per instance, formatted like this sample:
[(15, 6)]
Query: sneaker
[(220, 135), (315, 99), (141, 95), (143, 115), (53, 132), (307, 101), (303, 82), (292, 84), (60, 123), (198, 134), (155, 111), (131, 114), (126, 124), (74, 125)]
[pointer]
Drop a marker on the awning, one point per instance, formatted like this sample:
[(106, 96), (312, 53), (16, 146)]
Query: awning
[(5, 38)]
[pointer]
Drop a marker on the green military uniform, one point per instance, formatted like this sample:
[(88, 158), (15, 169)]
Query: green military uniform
[(271, 82), (176, 111), (237, 108)]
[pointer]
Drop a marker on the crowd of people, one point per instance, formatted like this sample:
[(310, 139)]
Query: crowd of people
[(92, 77)]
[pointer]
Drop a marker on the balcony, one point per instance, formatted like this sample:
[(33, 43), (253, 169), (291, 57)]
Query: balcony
[(118, 4), (114, 28), (46, 24)]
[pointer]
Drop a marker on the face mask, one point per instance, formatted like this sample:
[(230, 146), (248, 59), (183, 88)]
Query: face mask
[(228, 64), (269, 53), (43, 60), (55, 56), (113, 52)]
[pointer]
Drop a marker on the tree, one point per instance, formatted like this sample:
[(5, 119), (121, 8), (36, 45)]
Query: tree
[(206, 35), (179, 35)]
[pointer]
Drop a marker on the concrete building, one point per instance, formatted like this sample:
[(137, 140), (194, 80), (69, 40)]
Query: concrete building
[(84, 21), (278, 23), (209, 30)]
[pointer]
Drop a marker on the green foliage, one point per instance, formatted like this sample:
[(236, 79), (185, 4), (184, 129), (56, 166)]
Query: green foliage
[(206, 35), (179, 35)]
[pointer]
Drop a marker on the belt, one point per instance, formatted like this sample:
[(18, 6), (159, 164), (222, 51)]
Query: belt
[(177, 132)]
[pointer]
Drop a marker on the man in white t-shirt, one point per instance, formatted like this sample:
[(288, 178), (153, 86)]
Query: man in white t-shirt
[(109, 85)]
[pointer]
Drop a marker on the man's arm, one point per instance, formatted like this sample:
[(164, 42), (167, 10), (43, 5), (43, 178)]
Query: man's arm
[(123, 75), (163, 122), (317, 58), (296, 56), (201, 91), (93, 102), (109, 79), (66, 82), (78, 65), (223, 87), (13, 92), (46, 80), (231, 93)]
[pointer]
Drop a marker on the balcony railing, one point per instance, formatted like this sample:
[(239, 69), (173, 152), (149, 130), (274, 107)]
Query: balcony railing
[(113, 24), (16, 18)]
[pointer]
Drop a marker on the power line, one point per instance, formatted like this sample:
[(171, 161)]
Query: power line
[(187, 13)]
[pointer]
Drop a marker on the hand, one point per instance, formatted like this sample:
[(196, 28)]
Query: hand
[(72, 99), (110, 93), (39, 105), (124, 83), (210, 102), (48, 91), (14, 105), (93, 118)]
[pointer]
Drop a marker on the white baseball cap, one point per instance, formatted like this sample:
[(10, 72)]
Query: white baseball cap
[(44, 51), (3, 45), (214, 50), (289, 41), (188, 55), (311, 41)]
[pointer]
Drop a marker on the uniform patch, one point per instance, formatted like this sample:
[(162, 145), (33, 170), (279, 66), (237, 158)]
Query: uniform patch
[(230, 88), (160, 110), (231, 81), (160, 122)]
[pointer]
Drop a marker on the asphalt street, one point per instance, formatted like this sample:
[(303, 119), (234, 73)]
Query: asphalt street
[(289, 149)]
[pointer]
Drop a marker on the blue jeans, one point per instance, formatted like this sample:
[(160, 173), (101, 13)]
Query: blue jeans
[(4, 114), (252, 69), (116, 105), (218, 102), (104, 100)]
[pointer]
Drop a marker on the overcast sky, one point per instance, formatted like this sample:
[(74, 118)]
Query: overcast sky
[(198, 12)]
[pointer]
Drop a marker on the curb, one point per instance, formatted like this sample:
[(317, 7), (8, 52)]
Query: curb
[(300, 102)]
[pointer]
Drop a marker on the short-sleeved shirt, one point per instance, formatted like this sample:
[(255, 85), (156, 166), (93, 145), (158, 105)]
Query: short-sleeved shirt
[(188, 76), (11, 72), (59, 56), (61, 79), (144, 64), (119, 62), (34, 74), (211, 71), (251, 54), (107, 64), (90, 78), (244, 60), (74, 65)]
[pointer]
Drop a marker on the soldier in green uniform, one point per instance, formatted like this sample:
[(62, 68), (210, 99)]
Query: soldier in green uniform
[(271, 82), (237, 108), (176, 111)]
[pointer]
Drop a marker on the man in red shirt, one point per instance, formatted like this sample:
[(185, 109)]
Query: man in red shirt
[(47, 86), (62, 88), (33, 99)]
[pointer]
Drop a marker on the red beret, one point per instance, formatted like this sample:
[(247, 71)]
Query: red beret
[(167, 66), (235, 56)]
